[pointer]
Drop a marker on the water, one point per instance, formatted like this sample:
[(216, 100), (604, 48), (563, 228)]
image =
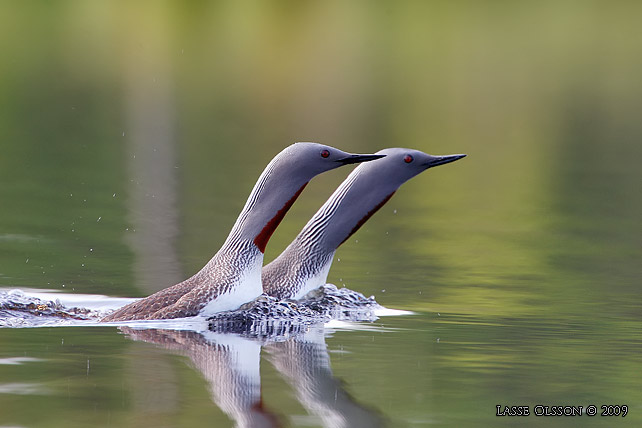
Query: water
[(131, 134)]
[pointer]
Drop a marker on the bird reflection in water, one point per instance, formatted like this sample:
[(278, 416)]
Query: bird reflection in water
[(230, 364)]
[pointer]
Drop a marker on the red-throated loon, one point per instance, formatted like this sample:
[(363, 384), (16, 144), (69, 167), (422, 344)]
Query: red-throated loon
[(305, 263), (233, 276)]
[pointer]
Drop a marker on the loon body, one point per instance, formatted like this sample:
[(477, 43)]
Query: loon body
[(305, 263), (233, 276)]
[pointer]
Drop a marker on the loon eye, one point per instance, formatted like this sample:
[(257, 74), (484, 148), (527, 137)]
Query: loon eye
[(408, 159), (325, 153)]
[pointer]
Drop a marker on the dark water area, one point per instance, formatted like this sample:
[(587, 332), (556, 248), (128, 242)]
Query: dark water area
[(132, 133)]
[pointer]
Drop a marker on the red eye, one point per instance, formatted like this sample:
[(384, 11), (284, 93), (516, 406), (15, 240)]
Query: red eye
[(325, 153), (408, 159)]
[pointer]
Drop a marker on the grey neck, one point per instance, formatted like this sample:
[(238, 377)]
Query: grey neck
[(305, 263), (344, 213), (270, 199)]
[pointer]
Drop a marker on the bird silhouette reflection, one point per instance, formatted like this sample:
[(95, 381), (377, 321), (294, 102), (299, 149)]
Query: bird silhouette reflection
[(230, 363)]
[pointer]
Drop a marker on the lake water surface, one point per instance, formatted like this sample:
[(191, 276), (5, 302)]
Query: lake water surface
[(131, 135)]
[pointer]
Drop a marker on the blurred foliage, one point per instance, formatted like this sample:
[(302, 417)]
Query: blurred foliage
[(530, 241)]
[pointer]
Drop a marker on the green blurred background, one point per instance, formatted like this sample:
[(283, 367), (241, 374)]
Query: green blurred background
[(132, 132)]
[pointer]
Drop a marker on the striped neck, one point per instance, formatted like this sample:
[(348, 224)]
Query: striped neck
[(272, 196), (305, 263), (349, 207), (263, 237)]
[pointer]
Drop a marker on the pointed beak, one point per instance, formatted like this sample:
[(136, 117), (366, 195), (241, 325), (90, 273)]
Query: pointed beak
[(441, 160), (358, 158)]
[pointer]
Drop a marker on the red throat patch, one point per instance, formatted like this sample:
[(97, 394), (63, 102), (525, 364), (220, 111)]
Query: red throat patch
[(367, 216), (263, 237)]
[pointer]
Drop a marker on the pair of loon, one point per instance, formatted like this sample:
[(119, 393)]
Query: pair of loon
[(236, 275)]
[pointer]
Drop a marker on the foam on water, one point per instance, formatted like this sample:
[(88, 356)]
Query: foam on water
[(264, 317)]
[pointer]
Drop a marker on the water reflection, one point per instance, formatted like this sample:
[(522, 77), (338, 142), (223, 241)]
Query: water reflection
[(231, 366), (304, 362), (229, 363)]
